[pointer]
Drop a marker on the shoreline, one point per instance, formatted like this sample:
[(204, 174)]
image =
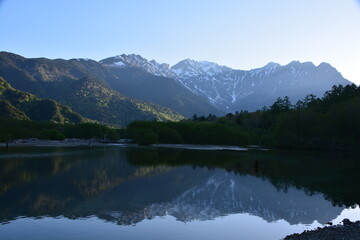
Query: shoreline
[(34, 142), (346, 231), (207, 147)]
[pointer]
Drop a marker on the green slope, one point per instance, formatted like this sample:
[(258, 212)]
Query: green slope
[(26, 106), (94, 100), (82, 85)]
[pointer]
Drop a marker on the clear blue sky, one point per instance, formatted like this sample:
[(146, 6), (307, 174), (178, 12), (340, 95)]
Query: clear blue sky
[(241, 34)]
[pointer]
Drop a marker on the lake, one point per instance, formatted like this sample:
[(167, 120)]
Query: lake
[(129, 192)]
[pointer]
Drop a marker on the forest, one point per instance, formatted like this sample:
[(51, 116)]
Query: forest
[(11, 129), (327, 123)]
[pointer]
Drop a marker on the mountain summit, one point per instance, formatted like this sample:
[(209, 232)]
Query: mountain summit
[(109, 91), (231, 90), (133, 60)]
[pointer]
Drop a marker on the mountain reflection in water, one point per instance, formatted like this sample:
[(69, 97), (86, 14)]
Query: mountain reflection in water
[(128, 185)]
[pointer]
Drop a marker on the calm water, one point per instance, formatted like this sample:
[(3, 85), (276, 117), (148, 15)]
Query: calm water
[(148, 193)]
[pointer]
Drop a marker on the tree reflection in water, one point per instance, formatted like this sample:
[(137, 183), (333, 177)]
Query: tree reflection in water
[(127, 185)]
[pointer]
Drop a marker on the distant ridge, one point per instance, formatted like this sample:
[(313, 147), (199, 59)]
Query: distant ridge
[(124, 88), (80, 84), (231, 90)]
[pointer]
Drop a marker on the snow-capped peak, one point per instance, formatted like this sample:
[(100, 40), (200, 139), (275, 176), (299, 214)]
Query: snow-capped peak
[(133, 60), (229, 89), (272, 65), (191, 68)]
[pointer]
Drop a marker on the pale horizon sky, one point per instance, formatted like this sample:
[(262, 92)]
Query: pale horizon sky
[(241, 34)]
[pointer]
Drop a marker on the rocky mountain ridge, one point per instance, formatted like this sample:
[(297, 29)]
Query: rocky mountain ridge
[(231, 90), (189, 87)]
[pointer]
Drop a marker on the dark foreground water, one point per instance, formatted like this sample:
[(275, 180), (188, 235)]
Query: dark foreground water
[(147, 193)]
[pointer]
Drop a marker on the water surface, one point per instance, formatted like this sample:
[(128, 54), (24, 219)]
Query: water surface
[(149, 193)]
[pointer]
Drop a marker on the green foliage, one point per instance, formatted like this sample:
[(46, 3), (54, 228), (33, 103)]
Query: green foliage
[(17, 129), (6, 109), (52, 134), (331, 122), (281, 105), (169, 135), (313, 123), (148, 137), (88, 131), (21, 105), (188, 132), (327, 123), (94, 100)]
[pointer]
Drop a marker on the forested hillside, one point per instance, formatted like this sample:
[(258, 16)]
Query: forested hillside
[(25, 106), (330, 122), (93, 99), (85, 85)]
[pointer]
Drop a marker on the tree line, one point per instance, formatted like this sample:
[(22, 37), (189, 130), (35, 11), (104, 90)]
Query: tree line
[(330, 122), (11, 129)]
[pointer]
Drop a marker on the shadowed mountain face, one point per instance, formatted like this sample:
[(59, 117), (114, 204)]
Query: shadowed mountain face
[(128, 185), (80, 84), (57, 79), (231, 90), (139, 84)]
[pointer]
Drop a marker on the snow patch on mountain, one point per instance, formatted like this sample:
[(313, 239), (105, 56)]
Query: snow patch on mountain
[(230, 90), (133, 60)]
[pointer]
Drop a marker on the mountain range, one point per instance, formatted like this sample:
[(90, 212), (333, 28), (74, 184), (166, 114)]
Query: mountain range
[(124, 88), (73, 83), (232, 90)]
